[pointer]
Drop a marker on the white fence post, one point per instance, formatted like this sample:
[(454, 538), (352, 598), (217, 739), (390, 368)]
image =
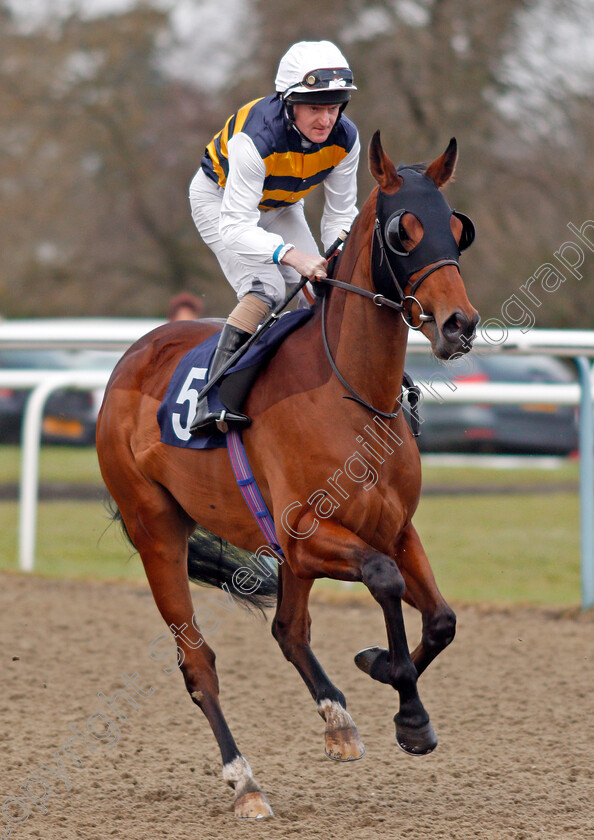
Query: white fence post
[(586, 482), (31, 437)]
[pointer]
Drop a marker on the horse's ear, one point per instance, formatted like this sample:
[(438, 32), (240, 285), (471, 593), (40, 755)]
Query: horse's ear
[(442, 168), (382, 168)]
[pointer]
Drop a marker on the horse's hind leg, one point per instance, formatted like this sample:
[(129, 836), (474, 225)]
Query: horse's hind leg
[(291, 629), (159, 530), (439, 620)]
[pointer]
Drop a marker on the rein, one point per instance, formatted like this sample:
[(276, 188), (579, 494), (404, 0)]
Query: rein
[(378, 299), (412, 389)]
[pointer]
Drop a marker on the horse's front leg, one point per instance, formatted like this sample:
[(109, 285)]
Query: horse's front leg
[(414, 733), (439, 620), (421, 592), (335, 552), (291, 629)]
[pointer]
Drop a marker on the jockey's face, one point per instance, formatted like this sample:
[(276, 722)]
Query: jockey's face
[(315, 121)]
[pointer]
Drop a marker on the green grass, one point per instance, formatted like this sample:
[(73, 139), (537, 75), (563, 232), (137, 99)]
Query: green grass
[(74, 539), (74, 464), (495, 548), (504, 549), (567, 474)]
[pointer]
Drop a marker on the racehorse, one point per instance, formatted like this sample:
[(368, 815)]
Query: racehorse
[(340, 473)]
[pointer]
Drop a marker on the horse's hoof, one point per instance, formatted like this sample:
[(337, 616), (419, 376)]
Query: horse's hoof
[(420, 740), (344, 744), (374, 661), (342, 739), (252, 806)]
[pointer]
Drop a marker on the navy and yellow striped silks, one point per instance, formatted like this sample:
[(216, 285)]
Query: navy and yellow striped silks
[(291, 170)]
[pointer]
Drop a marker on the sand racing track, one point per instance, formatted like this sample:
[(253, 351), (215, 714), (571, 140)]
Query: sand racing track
[(512, 701)]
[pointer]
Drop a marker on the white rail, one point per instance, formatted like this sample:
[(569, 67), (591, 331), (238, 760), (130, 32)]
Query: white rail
[(119, 334), (43, 384)]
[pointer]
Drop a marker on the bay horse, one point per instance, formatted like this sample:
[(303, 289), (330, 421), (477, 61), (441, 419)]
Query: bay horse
[(338, 513)]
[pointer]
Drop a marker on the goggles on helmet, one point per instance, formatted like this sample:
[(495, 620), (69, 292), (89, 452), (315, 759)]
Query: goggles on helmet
[(325, 78), (328, 77)]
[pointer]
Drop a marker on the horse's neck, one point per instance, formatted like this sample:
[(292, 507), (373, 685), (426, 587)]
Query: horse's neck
[(367, 341)]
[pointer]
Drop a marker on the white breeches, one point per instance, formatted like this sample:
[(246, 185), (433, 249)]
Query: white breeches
[(266, 280)]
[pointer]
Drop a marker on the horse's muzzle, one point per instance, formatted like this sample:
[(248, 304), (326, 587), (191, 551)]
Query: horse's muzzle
[(457, 333)]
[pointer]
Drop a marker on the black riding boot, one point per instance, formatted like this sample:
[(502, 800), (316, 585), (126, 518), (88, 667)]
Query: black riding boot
[(206, 421)]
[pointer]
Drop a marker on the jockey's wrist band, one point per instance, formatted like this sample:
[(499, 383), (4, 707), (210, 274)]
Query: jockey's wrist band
[(280, 253)]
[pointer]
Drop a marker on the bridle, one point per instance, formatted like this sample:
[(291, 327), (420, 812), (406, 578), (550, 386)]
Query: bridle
[(384, 262), (391, 267), (379, 300)]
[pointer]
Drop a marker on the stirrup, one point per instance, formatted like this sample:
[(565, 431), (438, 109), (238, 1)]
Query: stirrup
[(227, 419), (221, 421)]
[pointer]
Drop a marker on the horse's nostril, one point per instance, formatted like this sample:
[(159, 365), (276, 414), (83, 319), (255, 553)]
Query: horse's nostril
[(455, 326)]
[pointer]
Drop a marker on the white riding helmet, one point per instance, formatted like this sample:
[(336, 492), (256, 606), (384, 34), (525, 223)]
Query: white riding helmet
[(315, 72)]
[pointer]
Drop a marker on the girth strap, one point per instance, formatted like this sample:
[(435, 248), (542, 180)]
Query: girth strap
[(250, 490)]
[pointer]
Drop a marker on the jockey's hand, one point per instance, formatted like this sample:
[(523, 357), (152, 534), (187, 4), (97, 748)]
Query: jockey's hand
[(312, 266)]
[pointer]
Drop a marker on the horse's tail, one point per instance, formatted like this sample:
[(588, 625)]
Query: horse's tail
[(212, 561)]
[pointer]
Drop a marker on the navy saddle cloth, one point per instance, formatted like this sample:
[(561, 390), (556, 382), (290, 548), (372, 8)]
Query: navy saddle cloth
[(178, 408)]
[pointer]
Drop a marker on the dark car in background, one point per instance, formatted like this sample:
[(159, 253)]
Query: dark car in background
[(70, 415), (519, 428)]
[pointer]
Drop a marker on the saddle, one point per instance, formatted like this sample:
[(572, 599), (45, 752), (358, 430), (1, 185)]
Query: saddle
[(177, 410)]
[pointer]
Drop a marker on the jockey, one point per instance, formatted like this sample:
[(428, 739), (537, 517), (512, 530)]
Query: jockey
[(247, 197)]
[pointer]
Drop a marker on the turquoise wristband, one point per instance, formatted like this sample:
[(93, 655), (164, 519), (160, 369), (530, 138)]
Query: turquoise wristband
[(280, 252)]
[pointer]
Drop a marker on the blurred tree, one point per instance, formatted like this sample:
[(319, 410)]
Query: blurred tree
[(99, 143), (100, 147), (427, 70)]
